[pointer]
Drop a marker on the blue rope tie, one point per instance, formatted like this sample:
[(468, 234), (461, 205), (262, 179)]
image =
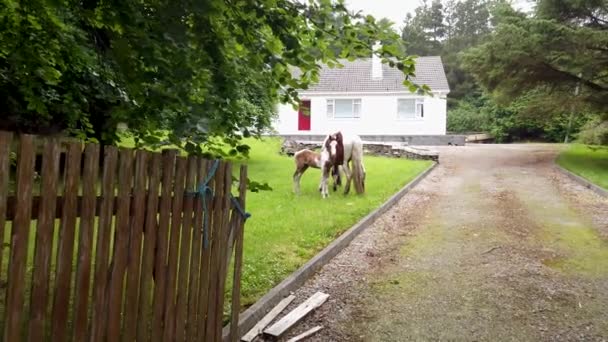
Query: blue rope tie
[(238, 207), (203, 191)]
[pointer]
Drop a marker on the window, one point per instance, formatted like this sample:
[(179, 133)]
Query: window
[(344, 108), (408, 109)]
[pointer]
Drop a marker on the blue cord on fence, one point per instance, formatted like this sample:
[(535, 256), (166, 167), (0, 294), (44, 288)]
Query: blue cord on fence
[(203, 191), (238, 207)]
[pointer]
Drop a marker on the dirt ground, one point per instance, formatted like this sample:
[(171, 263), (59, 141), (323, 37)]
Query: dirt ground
[(494, 244)]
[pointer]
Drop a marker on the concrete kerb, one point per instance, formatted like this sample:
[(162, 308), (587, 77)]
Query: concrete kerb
[(295, 280), (582, 181)]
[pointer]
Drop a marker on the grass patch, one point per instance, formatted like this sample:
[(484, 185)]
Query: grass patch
[(286, 230), (589, 162)]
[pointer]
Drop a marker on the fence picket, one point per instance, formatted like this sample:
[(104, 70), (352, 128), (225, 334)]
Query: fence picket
[(176, 222), (65, 250), (184, 258), (214, 269), (99, 316), (6, 139), (134, 249), (151, 227), (121, 245), (85, 244), (19, 240), (239, 234), (169, 158), (44, 241), (195, 258), (223, 267)]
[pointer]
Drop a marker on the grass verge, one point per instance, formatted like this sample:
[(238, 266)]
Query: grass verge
[(589, 162)]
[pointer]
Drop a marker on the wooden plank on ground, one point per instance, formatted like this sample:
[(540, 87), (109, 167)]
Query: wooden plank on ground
[(6, 139), (44, 241), (85, 245), (136, 229), (184, 258), (151, 227), (271, 315), (285, 323), (65, 251), (195, 258), (121, 245), (238, 257), (162, 238), (19, 240), (306, 334), (172, 261), (102, 251)]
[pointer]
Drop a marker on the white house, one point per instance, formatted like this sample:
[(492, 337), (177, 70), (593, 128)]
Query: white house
[(368, 98)]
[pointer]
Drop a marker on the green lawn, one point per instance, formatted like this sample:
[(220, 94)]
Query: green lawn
[(590, 162), (286, 230)]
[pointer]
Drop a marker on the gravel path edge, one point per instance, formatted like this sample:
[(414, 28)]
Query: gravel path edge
[(582, 181)]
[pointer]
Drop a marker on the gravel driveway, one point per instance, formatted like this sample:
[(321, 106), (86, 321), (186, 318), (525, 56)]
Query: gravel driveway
[(494, 244)]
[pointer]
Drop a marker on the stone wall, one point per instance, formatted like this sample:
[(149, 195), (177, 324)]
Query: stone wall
[(410, 140), (290, 147)]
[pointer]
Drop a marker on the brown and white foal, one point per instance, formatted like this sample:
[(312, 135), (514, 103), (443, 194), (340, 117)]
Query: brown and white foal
[(307, 158)]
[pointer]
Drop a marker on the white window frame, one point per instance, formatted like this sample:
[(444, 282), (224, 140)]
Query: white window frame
[(418, 108), (331, 108)]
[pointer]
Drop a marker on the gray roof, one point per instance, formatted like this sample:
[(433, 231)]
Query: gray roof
[(356, 76)]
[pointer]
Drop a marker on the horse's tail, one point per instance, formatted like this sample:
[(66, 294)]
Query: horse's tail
[(358, 168)]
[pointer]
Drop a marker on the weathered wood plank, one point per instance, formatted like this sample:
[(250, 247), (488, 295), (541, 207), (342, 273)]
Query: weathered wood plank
[(136, 230), (65, 251), (6, 139), (238, 258), (172, 262), (85, 245), (270, 316), (44, 242), (162, 243), (223, 265), (195, 258), (99, 316), (306, 334), (215, 245), (285, 323), (19, 240), (151, 226), (121, 245), (205, 270), (184, 258)]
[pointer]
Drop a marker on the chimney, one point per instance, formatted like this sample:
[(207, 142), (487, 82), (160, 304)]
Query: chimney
[(376, 63)]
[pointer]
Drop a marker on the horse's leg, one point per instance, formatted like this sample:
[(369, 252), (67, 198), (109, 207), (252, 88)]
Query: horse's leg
[(349, 175), (325, 175), (296, 178)]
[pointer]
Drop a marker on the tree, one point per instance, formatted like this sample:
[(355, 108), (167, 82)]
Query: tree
[(563, 46), (198, 70)]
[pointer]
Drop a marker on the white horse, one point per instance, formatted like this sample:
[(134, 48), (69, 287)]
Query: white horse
[(337, 151)]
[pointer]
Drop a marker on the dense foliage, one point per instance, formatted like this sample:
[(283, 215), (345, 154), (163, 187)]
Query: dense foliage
[(196, 70), (518, 76), (562, 47)]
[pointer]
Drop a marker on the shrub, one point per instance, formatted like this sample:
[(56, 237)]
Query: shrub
[(594, 132)]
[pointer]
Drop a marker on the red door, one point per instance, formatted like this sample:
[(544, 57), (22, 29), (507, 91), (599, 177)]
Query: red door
[(304, 116)]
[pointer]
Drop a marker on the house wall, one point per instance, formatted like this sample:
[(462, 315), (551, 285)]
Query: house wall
[(378, 117)]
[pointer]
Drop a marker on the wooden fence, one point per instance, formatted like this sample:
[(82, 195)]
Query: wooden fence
[(112, 244)]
